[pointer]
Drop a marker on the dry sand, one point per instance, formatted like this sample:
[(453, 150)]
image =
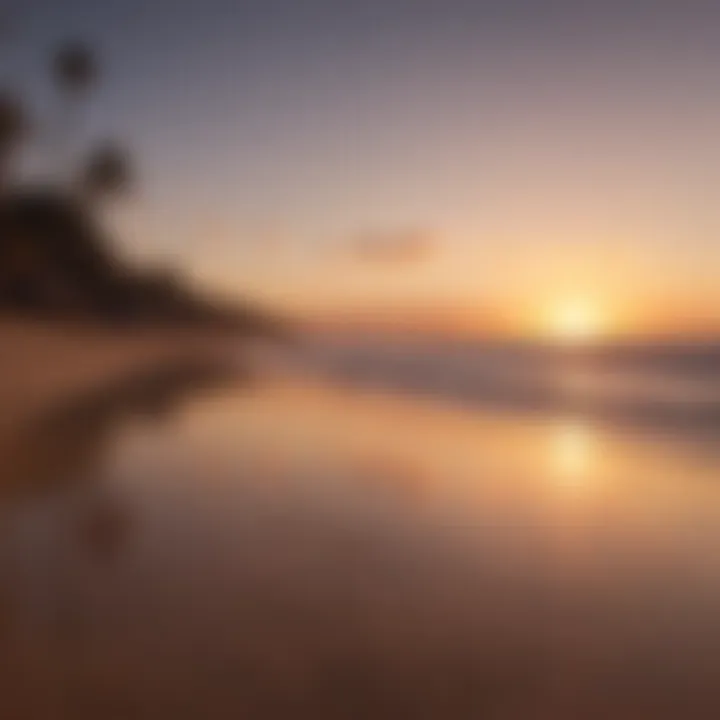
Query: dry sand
[(41, 365)]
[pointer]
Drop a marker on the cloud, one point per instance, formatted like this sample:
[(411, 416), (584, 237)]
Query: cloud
[(395, 247)]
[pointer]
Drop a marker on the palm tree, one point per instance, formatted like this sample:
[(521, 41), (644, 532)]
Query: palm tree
[(74, 70), (14, 126), (107, 172)]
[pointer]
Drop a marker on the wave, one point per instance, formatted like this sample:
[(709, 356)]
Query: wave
[(668, 385)]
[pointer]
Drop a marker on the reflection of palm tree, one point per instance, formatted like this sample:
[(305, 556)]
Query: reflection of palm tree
[(51, 454), (65, 446)]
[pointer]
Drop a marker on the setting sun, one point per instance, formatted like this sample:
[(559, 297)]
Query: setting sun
[(575, 321)]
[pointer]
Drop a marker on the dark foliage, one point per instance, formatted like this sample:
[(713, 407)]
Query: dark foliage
[(56, 261), (74, 67)]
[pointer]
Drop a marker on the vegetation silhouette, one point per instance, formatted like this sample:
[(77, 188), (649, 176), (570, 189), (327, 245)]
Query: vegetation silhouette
[(56, 259)]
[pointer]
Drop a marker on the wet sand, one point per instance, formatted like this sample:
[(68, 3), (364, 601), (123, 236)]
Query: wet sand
[(287, 549)]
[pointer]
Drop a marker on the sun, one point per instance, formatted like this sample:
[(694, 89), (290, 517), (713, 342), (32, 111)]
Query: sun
[(575, 321)]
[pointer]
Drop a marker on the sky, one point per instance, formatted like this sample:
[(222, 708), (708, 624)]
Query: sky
[(481, 164)]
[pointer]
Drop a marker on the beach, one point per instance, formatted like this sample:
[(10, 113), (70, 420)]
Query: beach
[(359, 360), (297, 547), (43, 364)]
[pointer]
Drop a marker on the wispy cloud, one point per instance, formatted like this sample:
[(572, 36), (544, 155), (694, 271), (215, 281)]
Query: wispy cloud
[(399, 247)]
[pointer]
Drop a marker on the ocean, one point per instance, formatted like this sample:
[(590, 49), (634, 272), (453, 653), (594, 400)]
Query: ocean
[(668, 385)]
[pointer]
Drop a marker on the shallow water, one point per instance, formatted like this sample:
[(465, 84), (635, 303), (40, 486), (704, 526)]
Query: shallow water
[(293, 549)]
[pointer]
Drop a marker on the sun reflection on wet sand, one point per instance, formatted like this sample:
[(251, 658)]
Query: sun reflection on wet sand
[(572, 453)]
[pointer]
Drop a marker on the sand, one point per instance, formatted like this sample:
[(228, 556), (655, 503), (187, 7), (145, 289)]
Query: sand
[(42, 364)]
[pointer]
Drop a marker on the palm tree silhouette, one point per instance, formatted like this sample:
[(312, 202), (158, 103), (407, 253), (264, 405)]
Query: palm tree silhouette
[(107, 173), (74, 70), (14, 126), (74, 67)]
